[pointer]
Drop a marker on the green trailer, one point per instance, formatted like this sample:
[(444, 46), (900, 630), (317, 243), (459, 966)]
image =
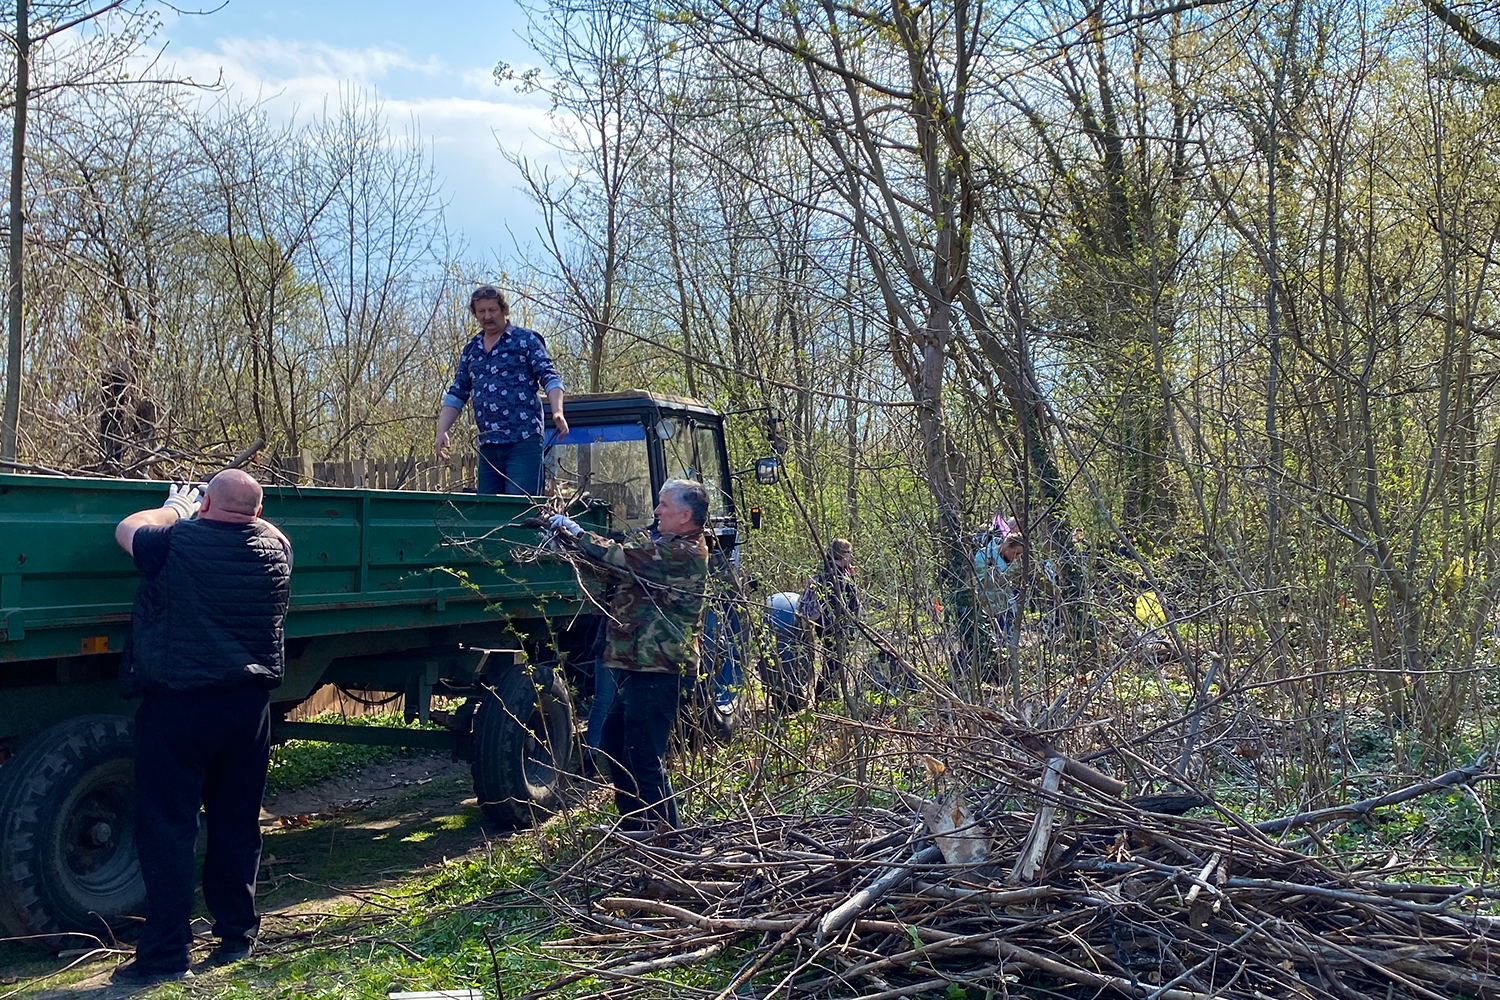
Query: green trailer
[(406, 592), (402, 593)]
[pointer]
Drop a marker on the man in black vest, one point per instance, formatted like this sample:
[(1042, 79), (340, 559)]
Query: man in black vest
[(205, 651)]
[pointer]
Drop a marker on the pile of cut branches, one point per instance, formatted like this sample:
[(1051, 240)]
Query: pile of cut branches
[(1024, 869)]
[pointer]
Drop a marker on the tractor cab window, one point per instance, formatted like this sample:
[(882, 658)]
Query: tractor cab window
[(610, 463), (692, 452)]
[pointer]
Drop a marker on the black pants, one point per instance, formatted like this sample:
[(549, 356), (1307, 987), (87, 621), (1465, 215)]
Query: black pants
[(206, 748), (634, 741)]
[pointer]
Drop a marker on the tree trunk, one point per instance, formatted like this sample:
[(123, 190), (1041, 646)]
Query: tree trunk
[(16, 303)]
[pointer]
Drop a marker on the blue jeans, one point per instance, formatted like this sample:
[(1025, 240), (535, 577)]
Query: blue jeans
[(721, 646), (514, 468), (604, 699)]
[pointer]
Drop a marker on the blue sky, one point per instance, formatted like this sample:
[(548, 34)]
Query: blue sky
[(429, 62)]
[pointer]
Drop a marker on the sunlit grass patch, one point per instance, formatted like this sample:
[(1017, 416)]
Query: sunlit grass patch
[(300, 763)]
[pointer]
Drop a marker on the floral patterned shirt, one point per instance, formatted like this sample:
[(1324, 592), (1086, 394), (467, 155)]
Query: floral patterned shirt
[(503, 383)]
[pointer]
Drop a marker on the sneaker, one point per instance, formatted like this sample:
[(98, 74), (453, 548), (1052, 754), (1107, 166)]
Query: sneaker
[(131, 974), (230, 950)]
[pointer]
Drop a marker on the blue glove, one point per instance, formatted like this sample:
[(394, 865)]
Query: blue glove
[(561, 523)]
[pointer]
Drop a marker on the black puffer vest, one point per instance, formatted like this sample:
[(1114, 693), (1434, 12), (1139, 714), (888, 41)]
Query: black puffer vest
[(212, 618)]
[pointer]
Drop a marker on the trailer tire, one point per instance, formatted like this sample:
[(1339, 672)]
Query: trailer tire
[(67, 830), (522, 749)]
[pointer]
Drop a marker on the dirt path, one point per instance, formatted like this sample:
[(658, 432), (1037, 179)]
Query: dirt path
[(335, 839), (339, 842), (378, 781)]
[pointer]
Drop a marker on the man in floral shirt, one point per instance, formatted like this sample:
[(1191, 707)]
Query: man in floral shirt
[(500, 371)]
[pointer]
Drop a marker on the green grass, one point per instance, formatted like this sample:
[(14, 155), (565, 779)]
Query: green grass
[(393, 924), (342, 892), (471, 918), (431, 931), (300, 763)]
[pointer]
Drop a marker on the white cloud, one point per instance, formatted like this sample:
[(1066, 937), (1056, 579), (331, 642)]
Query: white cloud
[(275, 60), (459, 113), (295, 73), (480, 81)]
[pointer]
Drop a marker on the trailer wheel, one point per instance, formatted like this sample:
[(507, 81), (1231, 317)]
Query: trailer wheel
[(67, 830), (522, 749)]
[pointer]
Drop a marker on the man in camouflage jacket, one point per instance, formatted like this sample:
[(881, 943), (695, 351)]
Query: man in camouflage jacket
[(651, 643)]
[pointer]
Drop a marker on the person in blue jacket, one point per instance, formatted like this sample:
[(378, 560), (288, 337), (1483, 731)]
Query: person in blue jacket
[(499, 372)]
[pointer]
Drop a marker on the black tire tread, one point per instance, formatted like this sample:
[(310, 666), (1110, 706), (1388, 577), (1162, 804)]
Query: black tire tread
[(501, 737), (28, 780)]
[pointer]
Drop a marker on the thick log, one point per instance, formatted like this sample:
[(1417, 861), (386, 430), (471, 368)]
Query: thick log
[(1029, 861), (844, 914)]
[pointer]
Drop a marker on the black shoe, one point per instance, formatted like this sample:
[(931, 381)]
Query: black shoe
[(230, 950), (131, 974)]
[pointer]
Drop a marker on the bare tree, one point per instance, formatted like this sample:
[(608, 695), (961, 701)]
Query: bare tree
[(112, 32), (601, 57)]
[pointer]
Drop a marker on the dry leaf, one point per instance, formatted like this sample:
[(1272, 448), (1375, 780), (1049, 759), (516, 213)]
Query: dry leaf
[(957, 833)]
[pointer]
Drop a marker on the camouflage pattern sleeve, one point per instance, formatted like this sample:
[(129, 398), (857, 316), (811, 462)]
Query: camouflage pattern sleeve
[(638, 557), (656, 613)]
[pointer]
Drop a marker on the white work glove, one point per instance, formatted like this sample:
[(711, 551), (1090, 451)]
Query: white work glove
[(184, 499), (561, 522)]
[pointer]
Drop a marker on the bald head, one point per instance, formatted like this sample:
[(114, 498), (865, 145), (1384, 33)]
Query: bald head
[(232, 495)]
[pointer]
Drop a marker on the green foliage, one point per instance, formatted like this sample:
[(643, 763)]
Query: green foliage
[(1326, 525), (299, 763)]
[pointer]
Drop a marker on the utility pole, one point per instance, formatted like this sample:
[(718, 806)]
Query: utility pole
[(17, 233)]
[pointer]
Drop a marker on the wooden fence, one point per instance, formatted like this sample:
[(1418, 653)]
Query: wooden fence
[(457, 474)]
